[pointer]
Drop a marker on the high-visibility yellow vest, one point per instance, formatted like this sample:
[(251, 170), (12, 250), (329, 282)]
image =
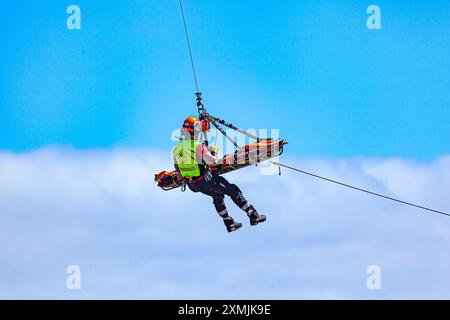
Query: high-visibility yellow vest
[(184, 155)]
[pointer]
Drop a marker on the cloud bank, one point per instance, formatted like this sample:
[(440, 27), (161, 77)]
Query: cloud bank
[(100, 210)]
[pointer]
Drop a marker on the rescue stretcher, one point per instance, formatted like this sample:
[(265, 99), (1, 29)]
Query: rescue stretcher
[(250, 154)]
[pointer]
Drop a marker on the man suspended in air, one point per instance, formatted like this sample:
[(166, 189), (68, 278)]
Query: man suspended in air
[(192, 158)]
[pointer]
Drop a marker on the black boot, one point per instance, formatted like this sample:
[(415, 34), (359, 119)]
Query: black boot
[(256, 218), (231, 224)]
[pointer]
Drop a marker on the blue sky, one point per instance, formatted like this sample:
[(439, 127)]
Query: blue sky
[(310, 68), (86, 118)]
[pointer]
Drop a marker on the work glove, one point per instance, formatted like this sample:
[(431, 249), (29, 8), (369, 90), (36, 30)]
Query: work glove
[(213, 149)]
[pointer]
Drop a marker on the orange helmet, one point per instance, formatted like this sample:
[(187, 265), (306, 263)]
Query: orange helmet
[(189, 124), (192, 123)]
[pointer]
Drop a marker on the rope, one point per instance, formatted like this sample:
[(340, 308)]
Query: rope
[(189, 46), (361, 189), (201, 109), (208, 117)]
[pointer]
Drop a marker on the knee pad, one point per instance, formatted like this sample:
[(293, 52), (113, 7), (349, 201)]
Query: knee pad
[(219, 200)]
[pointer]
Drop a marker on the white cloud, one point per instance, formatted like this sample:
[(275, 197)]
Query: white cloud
[(101, 210)]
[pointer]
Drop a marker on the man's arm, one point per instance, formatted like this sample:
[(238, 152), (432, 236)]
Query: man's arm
[(204, 154)]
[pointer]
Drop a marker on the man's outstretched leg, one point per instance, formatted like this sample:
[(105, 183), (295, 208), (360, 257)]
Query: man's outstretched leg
[(221, 209), (238, 198), (211, 189)]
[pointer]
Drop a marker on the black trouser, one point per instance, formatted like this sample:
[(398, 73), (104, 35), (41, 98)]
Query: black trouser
[(217, 188)]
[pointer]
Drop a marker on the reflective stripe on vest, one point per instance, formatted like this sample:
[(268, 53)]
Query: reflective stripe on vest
[(184, 155)]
